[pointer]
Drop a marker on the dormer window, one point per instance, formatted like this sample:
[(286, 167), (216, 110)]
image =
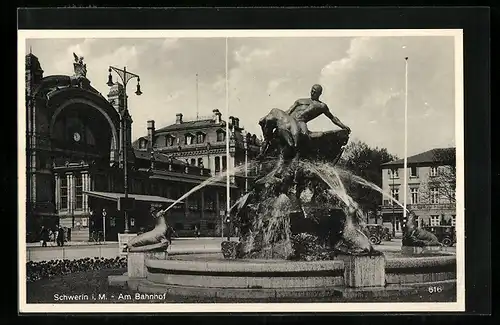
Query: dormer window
[(200, 137), (188, 139), (221, 136), (142, 144), (170, 141)]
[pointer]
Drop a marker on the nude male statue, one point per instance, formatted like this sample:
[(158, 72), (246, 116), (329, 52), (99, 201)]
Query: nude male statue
[(307, 109), (294, 121)]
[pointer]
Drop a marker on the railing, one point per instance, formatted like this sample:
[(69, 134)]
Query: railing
[(197, 118)]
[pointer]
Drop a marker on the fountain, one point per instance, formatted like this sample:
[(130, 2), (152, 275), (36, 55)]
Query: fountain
[(301, 236)]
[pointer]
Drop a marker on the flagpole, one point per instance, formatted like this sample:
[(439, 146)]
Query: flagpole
[(228, 194), (405, 182), (197, 100)]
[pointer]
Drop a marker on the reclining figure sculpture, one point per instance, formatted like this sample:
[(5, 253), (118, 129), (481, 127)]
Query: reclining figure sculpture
[(414, 236), (154, 240)]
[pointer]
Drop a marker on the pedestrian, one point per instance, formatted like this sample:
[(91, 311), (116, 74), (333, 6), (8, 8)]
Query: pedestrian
[(55, 234), (60, 236), (196, 231), (44, 236)]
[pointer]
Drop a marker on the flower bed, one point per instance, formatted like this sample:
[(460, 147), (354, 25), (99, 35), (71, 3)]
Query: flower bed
[(49, 269), (229, 249)]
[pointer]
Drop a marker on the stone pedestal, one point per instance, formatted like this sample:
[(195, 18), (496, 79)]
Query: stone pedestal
[(136, 267), (364, 271)]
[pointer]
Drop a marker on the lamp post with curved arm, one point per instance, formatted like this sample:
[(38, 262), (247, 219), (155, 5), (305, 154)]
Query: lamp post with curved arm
[(125, 77)]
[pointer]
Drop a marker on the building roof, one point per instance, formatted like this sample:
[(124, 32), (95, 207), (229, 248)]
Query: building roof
[(427, 157), (138, 197), (190, 125), (146, 154)]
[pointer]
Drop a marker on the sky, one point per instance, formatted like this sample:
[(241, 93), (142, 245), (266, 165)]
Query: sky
[(363, 80)]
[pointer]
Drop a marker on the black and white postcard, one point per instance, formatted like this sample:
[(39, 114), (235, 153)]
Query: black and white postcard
[(241, 170)]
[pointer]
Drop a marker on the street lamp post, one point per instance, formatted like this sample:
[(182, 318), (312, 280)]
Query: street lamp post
[(91, 222), (245, 145), (72, 206), (104, 213), (393, 213), (222, 214), (125, 76)]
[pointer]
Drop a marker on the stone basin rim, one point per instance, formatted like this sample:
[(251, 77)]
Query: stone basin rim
[(231, 266)]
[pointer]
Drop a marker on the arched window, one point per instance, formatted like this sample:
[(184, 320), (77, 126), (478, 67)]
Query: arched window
[(200, 137), (217, 164), (193, 162), (221, 136), (224, 163), (188, 139), (170, 141)]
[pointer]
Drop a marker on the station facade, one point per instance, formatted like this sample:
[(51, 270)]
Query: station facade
[(75, 140)]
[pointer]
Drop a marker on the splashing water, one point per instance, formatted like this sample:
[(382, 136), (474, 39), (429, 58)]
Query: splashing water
[(331, 177), (209, 181), (327, 169), (360, 180), (373, 186)]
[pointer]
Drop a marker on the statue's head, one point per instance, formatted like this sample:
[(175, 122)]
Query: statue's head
[(155, 211), (316, 91)]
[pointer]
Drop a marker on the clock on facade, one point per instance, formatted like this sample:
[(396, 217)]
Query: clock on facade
[(76, 136)]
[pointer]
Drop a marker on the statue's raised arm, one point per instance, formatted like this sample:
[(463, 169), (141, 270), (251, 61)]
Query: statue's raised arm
[(336, 120)]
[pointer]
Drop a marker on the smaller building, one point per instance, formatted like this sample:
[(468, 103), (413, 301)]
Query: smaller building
[(430, 192)]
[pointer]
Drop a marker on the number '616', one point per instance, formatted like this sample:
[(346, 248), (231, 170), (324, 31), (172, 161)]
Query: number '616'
[(435, 289)]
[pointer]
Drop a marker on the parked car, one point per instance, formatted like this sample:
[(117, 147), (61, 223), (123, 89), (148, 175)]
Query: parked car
[(375, 233), (445, 234), (387, 234)]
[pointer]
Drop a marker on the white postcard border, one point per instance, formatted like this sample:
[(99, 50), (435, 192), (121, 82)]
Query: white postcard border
[(459, 305)]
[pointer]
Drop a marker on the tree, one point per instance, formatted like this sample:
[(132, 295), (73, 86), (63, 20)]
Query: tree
[(364, 161), (443, 184)]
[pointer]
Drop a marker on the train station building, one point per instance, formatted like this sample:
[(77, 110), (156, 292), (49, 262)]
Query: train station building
[(75, 144)]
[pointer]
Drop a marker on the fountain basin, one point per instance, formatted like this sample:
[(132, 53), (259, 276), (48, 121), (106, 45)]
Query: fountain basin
[(258, 274), (209, 275), (421, 270)]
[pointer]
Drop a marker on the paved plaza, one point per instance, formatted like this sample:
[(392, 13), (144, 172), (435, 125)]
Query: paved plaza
[(76, 250)]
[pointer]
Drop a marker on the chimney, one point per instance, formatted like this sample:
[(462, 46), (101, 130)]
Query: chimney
[(151, 132), (231, 122), (217, 116), (178, 118), (237, 122)]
